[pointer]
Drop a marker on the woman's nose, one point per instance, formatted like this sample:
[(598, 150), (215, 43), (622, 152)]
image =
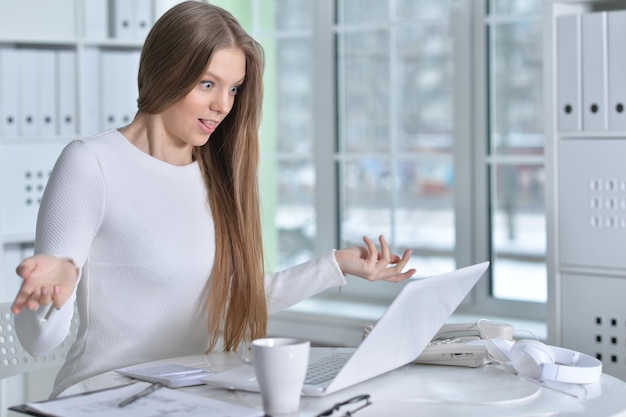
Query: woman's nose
[(221, 103)]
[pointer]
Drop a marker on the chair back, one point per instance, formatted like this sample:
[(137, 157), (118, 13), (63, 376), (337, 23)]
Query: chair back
[(15, 360)]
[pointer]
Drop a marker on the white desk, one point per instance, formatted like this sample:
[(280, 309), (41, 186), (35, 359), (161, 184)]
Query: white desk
[(426, 390)]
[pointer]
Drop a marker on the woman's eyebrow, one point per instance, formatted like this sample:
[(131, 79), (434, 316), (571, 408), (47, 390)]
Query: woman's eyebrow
[(209, 74)]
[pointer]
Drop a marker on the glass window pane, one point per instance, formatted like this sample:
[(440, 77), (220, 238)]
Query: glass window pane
[(287, 174), (295, 215), (422, 9), (425, 87), (294, 96), (291, 14), (517, 88), (515, 6), (365, 93), (425, 217), (396, 92), (362, 11), (366, 192), (518, 232)]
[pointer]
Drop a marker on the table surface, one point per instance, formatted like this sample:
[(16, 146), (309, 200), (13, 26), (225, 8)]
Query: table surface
[(425, 390)]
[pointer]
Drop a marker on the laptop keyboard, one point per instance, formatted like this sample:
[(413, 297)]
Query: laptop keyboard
[(326, 368)]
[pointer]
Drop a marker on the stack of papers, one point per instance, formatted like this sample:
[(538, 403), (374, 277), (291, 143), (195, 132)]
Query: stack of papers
[(163, 402), (171, 375)]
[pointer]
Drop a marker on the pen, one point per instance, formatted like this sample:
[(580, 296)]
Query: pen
[(141, 394)]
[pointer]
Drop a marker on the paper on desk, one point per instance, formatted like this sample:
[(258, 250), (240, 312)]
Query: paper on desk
[(164, 402)]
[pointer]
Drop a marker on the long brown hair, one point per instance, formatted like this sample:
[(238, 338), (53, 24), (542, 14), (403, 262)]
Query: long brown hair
[(173, 59)]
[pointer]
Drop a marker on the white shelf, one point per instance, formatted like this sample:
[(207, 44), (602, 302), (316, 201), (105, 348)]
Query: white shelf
[(586, 177)]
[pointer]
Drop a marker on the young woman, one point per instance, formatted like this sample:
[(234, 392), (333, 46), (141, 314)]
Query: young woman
[(153, 229)]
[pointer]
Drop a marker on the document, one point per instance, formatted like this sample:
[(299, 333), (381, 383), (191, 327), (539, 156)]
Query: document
[(163, 402)]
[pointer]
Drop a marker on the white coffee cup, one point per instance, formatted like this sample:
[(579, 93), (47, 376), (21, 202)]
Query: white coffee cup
[(280, 366)]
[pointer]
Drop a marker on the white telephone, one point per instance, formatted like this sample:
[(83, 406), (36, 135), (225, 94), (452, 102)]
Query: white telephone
[(463, 344)]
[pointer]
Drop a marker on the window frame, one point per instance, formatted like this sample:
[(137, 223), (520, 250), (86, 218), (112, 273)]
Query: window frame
[(471, 130)]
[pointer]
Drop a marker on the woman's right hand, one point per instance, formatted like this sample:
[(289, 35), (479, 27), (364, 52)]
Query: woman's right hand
[(47, 279)]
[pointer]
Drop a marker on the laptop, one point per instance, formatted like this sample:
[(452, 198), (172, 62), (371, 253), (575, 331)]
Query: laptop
[(404, 330)]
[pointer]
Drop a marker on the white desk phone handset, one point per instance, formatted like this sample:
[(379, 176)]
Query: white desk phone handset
[(464, 344)]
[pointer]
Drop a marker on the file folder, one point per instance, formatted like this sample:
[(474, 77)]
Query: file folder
[(594, 71), (120, 19), (90, 85), (46, 106), (130, 86), (28, 116), (111, 87), (568, 71), (9, 91), (616, 54), (161, 6), (66, 97), (37, 19), (142, 18), (119, 87), (96, 13)]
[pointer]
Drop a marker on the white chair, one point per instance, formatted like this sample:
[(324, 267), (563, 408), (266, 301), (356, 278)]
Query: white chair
[(15, 360)]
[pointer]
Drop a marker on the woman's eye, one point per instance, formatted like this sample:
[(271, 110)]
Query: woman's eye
[(235, 90), (206, 84)]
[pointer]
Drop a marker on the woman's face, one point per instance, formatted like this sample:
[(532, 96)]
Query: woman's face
[(192, 119)]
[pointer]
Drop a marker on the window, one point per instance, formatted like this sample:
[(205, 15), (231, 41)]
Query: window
[(396, 136), (415, 119), (514, 152)]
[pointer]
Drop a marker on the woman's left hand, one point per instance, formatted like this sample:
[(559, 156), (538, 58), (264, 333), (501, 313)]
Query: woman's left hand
[(374, 265)]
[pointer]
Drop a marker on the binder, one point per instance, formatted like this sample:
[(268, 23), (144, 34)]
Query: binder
[(111, 88), (142, 18), (37, 19), (9, 91), (594, 64), (129, 86), (568, 71), (119, 87), (28, 116), (96, 13), (120, 19), (66, 97), (47, 93), (616, 55), (161, 6), (91, 85)]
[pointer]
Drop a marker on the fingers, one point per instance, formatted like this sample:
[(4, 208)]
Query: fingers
[(401, 277), (400, 265), (390, 266), (384, 248), (18, 304), (375, 256), (33, 295), (23, 296), (45, 296), (373, 251), (26, 267), (47, 279), (58, 298), (33, 299)]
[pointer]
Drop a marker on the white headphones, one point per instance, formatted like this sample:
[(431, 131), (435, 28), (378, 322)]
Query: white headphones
[(536, 360)]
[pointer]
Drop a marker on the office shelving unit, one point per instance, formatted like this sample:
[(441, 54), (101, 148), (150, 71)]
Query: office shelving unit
[(585, 64), (68, 68)]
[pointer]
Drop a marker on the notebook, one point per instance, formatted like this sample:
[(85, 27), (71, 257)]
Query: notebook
[(400, 335)]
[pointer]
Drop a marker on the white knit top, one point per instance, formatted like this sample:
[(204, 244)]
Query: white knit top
[(142, 232)]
